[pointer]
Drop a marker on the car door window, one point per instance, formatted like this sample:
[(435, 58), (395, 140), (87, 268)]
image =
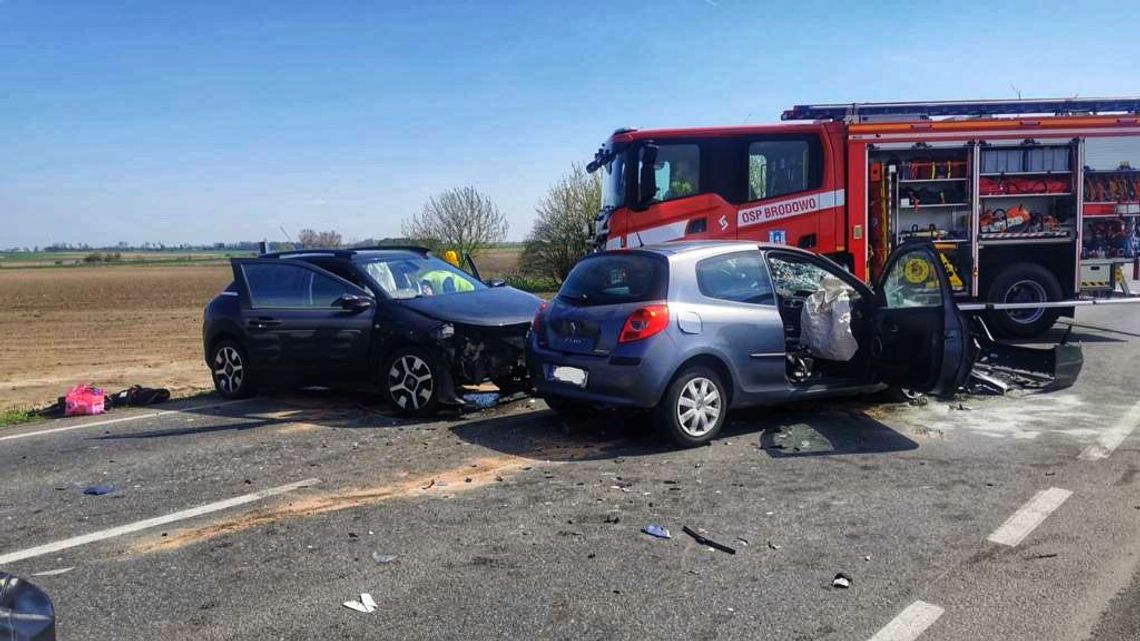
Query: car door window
[(912, 282), (780, 167), (798, 278), (739, 277), (677, 171), (284, 286)]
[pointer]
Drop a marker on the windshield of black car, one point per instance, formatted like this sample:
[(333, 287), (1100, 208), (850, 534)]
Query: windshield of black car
[(616, 278), (613, 182), (412, 276)]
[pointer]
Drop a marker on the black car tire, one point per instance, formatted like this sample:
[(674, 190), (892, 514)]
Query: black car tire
[(231, 370), (1022, 280), (698, 389), (566, 406), (410, 380)]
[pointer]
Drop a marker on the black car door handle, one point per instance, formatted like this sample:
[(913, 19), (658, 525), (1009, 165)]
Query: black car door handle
[(263, 323)]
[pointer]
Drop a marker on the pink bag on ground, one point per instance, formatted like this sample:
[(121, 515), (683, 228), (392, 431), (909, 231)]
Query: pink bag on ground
[(83, 400)]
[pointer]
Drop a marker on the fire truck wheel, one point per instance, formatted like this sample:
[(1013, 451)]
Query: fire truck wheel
[(1023, 283)]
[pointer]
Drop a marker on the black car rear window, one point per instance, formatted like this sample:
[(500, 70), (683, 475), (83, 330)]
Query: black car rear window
[(612, 279)]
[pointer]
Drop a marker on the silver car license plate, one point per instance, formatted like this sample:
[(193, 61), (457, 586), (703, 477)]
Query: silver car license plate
[(572, 375)]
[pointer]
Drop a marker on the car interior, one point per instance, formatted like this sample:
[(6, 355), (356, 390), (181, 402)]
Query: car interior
[(795, 279)]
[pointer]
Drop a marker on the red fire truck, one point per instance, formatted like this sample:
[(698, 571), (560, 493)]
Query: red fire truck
[(1014, 194)]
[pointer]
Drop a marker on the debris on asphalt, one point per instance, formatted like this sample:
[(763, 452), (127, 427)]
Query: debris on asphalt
[(983, 383), (613, 518), (742, 541), (429, 485), (773, 546), (98, 490), (365, 605), (1048, 555), (657, 531), (55, 572), (867, 558), (704, 540), (482, 401), (383, 559), (841, 580)]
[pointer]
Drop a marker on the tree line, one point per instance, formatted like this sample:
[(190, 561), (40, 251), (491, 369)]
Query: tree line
[(468, 221)]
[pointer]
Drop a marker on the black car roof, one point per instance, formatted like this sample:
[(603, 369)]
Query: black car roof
[(349, 253)]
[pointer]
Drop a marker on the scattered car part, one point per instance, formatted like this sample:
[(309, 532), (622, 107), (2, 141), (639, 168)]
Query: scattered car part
[(657, 531), (841, 580), (704, 540)]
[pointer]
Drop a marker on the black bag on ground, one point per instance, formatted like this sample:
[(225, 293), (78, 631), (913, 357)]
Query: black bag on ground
[(138, 396)]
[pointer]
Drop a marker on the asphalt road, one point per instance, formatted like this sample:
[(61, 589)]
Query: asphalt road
[(513, 523)]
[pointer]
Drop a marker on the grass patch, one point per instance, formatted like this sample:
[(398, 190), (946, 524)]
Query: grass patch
[(17, 416)]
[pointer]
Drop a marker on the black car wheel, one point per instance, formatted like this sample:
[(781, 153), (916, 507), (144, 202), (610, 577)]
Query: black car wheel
[(410, 378), (231, 370), (693, 409)]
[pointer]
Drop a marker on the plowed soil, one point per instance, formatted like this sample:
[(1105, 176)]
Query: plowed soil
[(114, 326)]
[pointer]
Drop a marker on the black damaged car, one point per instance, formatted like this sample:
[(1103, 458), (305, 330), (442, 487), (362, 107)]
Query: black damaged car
[(395, 318)]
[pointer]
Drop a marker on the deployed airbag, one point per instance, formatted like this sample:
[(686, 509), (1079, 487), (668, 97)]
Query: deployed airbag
[(825, 322)]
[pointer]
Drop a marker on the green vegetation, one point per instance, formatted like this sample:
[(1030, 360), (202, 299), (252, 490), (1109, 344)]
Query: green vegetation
[(17, 416)]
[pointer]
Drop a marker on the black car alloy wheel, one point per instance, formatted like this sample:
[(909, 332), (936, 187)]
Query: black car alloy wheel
[(410, 381), (231, 370)]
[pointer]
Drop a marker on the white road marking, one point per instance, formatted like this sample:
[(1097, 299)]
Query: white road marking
[(111, 533), (123, 419), (1025, 520), (1111, 438), (910, 623)]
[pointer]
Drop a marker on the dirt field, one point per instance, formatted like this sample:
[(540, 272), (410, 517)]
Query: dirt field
[(113, 326)]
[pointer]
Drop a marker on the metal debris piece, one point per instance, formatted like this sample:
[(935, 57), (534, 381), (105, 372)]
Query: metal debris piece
[(55, 572), (368, 602), (841, 580), (704, 540), (657, 531), (358, 606), (383, 559), (773, 546), (98, 490)]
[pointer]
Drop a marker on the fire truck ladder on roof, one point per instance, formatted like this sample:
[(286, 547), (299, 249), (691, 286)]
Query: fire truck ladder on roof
[(861, 111)]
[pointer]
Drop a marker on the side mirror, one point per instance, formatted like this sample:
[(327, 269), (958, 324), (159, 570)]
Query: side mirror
[(647, 181), (354, 303), (496, 282)]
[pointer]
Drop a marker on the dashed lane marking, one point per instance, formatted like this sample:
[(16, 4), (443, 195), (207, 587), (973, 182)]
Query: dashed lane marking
[(909, 623), (1111, 438), (111, 533), (1025, 520)]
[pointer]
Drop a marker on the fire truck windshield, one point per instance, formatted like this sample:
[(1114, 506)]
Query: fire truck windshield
[(613, 182)]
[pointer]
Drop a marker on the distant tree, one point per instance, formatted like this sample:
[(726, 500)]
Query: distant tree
[(558, 238), (462, 219), (325, 239)]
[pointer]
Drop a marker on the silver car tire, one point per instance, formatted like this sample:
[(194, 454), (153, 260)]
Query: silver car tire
[(693, 408)]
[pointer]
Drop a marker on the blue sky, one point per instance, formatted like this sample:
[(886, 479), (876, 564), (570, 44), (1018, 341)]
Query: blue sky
[(202, 121)]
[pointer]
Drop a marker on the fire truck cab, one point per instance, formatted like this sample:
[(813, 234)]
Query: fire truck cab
[(1014, 194)]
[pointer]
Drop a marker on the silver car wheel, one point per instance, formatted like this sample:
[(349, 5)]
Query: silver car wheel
[(410, 382), (228, 369), (698, 407)]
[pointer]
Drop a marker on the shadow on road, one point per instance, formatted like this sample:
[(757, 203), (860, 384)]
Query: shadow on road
[(784, 431), (798, 431)]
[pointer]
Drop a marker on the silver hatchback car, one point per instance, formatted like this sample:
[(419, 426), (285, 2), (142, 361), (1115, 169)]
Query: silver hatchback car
[(693, 329)]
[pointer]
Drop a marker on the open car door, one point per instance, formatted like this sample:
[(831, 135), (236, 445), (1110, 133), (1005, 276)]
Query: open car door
[(921, 340)]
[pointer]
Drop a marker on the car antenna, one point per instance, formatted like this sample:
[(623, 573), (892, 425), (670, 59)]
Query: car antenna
[(282, 228)]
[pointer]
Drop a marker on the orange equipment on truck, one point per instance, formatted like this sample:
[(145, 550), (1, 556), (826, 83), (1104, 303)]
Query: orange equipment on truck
[(1004, 188)]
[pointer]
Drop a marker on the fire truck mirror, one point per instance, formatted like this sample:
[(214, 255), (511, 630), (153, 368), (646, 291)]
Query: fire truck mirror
[(647, 179)]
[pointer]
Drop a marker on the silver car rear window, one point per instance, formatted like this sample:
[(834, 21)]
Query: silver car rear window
[(614, 279)]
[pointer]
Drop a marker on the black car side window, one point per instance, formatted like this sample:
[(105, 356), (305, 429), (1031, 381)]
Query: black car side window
[(739, 277), (284, 286)]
